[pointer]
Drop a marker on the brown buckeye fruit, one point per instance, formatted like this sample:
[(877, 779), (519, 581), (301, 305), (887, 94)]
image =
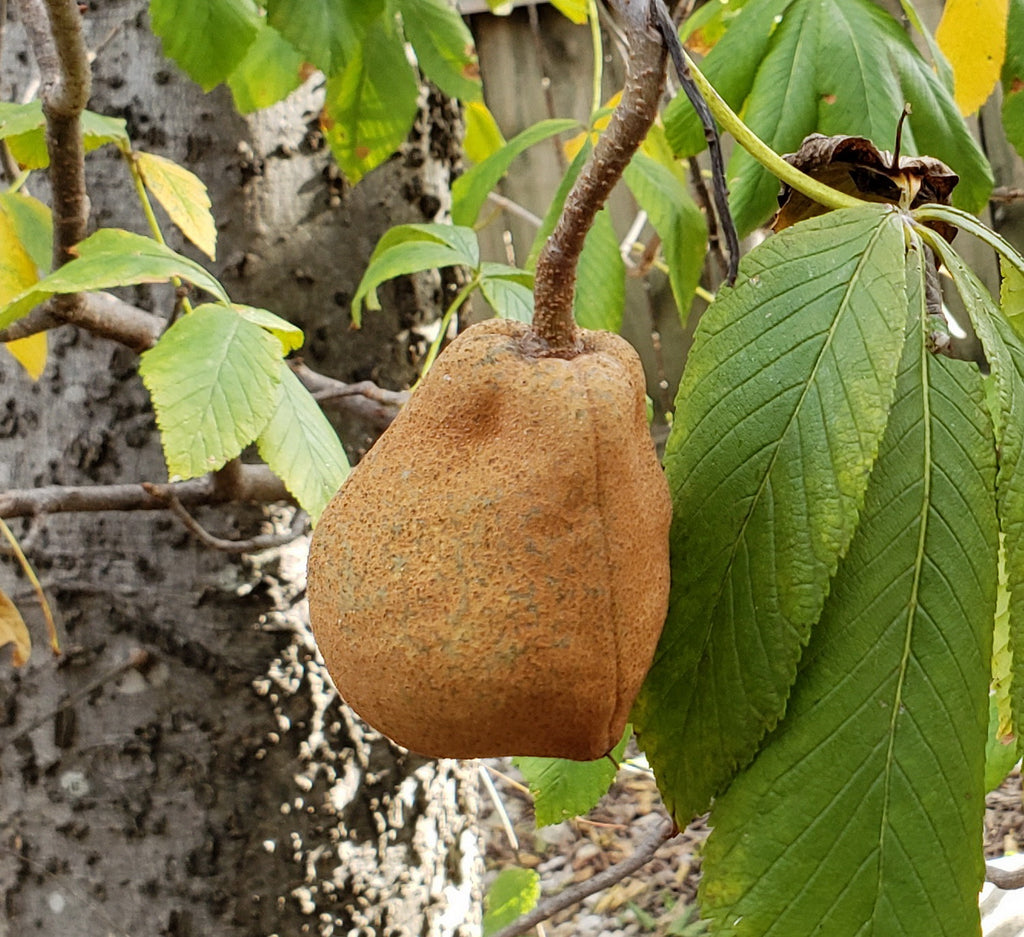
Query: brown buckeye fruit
[(492, 578)]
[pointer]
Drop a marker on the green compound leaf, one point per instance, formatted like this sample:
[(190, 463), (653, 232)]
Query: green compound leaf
[(562, 789), (329, 33), (443, 45), (513, 892), (411, 248), (371, 102), (677, 219), (214, 379), (271, 70), (600, 278), (794, 67), (1004, 349), (778, 421), (863, 812), (207, 38), (112, 257), (301, 447)]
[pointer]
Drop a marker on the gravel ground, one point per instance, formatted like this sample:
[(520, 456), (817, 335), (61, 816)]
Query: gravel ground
[(659, 897)]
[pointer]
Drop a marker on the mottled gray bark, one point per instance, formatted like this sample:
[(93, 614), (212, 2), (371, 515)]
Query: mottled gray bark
[(184, 768)]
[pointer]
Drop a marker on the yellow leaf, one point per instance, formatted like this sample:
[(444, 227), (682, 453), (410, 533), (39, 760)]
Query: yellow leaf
[(576, 10), (13, 631), (184, 198), (483, 137), (972, 35), (573, 146), (30, 353), (17, 269)]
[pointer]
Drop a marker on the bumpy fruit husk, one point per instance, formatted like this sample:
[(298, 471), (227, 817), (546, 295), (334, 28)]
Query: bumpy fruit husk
[(492, 579)]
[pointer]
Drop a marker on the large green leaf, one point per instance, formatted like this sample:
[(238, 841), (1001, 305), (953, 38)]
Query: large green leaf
[(271, 70), (443, 46), (327, 32), (1004, 349), (112, 257), (214, 378), (207, 38), (371, 103), (778, 420), (836, 67), (470, 190), (600, 278), (679, 222), (862, 814), (301, 447)]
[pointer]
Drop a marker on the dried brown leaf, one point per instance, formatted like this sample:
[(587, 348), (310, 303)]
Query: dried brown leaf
[(854, 165), (13, 631)]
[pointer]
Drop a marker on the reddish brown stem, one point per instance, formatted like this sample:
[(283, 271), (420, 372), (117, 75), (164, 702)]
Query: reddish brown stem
[(555, 279), (64, 63)]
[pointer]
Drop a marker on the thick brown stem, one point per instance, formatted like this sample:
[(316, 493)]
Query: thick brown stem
[(555, 279)]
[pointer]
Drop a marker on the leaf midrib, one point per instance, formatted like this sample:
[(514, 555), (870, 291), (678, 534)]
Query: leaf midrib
[(741, 533), (911, 615)]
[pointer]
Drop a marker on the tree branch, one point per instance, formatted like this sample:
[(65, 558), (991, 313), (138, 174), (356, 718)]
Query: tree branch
[(251, 545), (574, 894), (103, 314), (1004, 878), (254, 483)]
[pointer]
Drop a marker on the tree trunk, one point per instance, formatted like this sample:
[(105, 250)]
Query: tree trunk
[(184, 767)]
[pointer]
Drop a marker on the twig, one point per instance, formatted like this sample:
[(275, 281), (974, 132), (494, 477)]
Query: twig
[(574, 894), (256, 483), (700, 189), (514, 208), (139, 659), (1005, 193), (506, 823), (252, 545), (675, 48), (1004, 878), (364, 399)]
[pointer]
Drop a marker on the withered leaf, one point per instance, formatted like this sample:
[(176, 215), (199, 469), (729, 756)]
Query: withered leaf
[(854, 165), (13, 631)]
